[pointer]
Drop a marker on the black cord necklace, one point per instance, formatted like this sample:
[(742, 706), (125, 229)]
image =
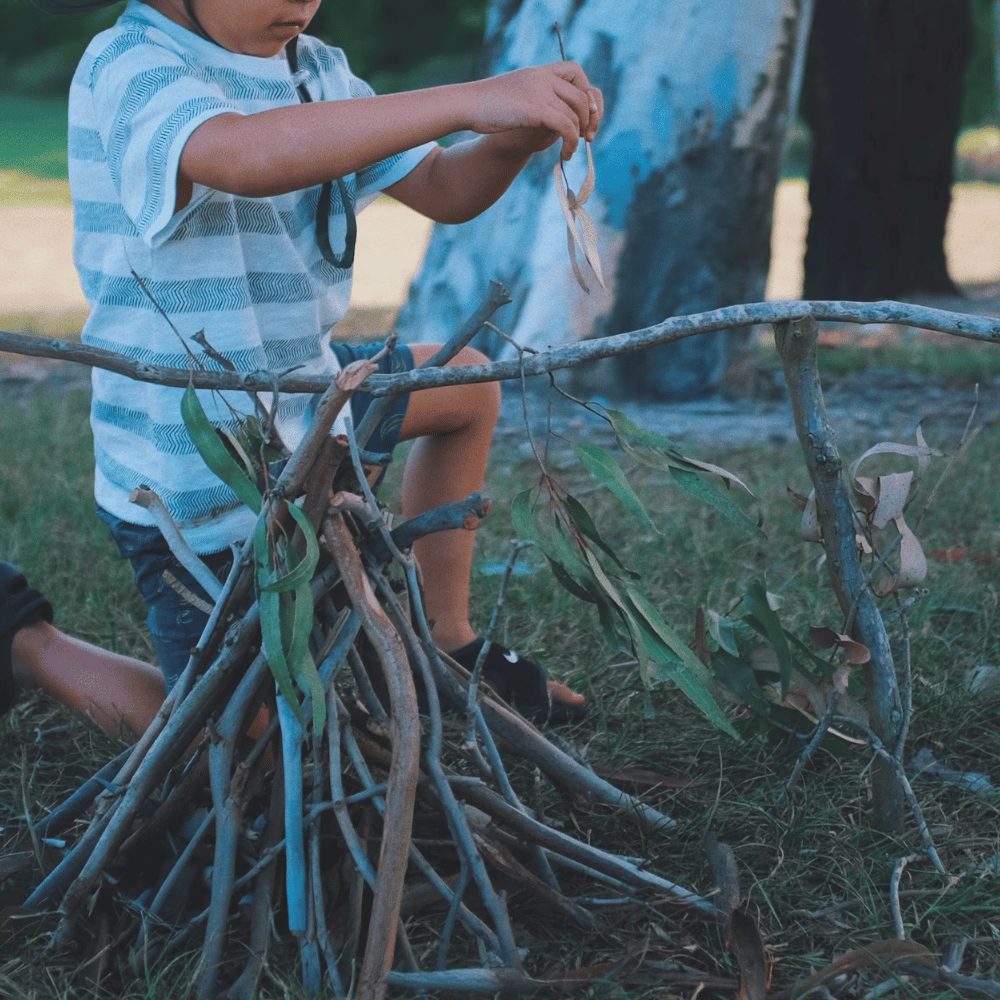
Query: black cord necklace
[(344, 261)]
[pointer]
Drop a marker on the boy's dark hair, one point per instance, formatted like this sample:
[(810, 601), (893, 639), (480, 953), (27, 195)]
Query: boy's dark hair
[(71, 6)]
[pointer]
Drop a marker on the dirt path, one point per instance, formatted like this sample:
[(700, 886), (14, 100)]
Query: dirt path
[(39, 288)]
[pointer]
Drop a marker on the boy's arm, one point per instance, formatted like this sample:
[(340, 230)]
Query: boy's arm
[(291, 148), (455, 184)]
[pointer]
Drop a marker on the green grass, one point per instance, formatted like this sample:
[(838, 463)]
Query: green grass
[(33, 136), (816, 852), (917, 356)]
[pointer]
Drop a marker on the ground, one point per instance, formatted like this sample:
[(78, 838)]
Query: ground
[(814, 873)]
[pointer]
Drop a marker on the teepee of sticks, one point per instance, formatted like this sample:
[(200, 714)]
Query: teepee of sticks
[(287, 791)]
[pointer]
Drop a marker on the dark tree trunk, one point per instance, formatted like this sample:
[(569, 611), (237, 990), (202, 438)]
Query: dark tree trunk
[(882, 96)]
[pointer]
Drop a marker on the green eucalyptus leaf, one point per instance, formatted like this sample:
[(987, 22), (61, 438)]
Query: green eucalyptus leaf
[(607, 471), (314, 684), (674, 660), (274, 648), (764, 620), (739, 677), (585, 524), (708, 493), (628, 430), (298, 628), (302, 571), (522, 516), (214, 453), (630, 433)]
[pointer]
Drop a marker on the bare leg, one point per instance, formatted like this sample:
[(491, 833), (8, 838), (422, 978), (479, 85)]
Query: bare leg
[(116, 692), (453, 427)]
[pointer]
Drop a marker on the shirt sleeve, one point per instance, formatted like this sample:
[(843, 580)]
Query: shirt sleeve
[(376, 177), (148, 102)]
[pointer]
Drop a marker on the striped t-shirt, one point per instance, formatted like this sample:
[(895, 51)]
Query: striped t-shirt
[(246, 271)]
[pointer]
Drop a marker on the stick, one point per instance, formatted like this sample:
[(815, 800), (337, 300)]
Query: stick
[(405, 729), (980, 328)]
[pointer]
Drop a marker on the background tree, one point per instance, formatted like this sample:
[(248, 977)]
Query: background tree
[(883, 97), (687, 161)]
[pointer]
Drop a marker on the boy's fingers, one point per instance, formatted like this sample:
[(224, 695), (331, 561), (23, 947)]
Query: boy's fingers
[(559, 120), (579, 103), (573, 72), (596, 111)]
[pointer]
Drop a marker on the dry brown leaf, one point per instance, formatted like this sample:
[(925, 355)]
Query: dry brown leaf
[(825, 638), (961, 555), (799, 500), (912, 561), (580, 229), (893, 493), (866, 493), (919, 452), (876, 955), (811, 700), (747, 946), (809, 526), (725, 874)]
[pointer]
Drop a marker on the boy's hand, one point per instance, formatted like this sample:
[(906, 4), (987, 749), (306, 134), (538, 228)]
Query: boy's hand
[(533, 108)]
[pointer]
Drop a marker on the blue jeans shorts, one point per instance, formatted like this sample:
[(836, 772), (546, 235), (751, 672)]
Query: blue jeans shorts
[(176, 624)]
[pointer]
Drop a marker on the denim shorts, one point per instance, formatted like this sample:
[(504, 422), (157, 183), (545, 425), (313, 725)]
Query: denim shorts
[(385, 437), (175, 623)]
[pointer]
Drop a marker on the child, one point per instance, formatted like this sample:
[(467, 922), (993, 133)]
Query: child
[(204, 135)]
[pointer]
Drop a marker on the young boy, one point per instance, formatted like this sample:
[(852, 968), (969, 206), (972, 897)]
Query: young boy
[(217, 158)]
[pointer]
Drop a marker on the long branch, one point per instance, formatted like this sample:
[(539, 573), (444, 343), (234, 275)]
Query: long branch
[(980, 328)]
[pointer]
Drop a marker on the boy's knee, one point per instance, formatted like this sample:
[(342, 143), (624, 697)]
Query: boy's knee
[(486, 394)]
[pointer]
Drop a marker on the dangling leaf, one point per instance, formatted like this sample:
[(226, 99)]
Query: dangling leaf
[(580, 229), (585, 523), (606, 470), (679, 663), (564, 560), (739, 678), (628, 430), (707, 493), (214, 453)]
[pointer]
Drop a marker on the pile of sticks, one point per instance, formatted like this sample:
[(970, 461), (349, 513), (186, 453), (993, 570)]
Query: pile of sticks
[(313, 828)]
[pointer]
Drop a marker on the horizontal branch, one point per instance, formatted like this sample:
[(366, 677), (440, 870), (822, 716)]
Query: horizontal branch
[(985, 329)]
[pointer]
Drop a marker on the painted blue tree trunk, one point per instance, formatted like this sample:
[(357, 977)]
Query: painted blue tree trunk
[(697, 104)]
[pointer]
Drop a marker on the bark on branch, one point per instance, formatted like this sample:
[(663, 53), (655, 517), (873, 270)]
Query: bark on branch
[(980, 328)]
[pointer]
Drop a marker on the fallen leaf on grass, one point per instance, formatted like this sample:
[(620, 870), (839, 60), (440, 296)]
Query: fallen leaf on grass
[(646, 778), (751, 956), (877, 955), (961, 556)]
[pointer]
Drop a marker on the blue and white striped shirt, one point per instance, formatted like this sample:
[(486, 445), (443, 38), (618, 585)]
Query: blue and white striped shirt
[(246, 271)]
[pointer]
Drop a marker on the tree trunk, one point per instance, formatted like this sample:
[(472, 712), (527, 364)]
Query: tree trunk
[(882, 95), (697, 95)]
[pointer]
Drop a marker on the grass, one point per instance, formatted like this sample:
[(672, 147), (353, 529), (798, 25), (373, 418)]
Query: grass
[(946, 359), (796, 861), (33, 136)]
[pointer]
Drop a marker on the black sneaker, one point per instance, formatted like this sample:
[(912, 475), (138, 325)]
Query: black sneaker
[(20, 605), (521, 682)]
